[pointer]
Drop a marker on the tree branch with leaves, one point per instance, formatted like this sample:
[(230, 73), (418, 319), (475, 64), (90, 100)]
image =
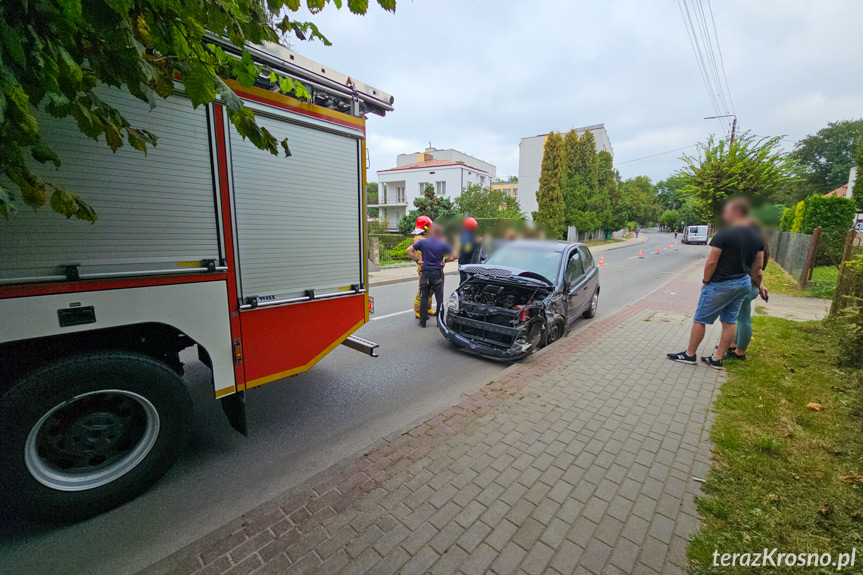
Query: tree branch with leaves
[(54, 53)]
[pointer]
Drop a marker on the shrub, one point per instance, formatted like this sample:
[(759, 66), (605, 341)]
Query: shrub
[(399, 251), (797, 224), (769, 214), (834, 216), (377, 227), (787, 220)]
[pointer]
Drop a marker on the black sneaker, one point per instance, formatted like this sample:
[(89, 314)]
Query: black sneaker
[(732, 355), (422, 324), (714, 363), (682, 357)]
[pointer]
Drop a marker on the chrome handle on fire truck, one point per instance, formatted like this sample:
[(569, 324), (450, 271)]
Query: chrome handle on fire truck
[(253, 302)]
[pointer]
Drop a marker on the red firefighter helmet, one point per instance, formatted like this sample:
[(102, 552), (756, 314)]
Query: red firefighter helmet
[(470, 224), (423, 225)]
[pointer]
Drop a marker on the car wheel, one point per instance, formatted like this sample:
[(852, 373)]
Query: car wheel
[(555, 332), (85, 434), (594, 303)]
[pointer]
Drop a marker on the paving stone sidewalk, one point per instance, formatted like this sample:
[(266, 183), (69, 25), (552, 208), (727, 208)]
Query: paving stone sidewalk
[(582, 459)]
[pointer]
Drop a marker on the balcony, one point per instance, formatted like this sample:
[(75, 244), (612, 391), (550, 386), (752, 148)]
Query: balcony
[(389, 202)]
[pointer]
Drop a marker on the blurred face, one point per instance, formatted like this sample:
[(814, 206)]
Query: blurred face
[(436, 231), (731, 213)]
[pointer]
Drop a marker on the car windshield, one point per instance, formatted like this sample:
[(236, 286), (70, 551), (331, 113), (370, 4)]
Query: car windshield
[(544, 262)]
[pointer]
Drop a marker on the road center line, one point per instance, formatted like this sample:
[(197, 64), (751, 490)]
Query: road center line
[(392, 314)]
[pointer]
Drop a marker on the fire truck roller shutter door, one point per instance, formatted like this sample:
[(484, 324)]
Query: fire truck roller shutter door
[(297, 218), (155, 210)]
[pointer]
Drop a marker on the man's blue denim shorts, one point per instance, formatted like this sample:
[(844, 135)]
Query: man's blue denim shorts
[(722, 300)]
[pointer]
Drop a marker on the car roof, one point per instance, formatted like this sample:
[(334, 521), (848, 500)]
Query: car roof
[(549, 245)]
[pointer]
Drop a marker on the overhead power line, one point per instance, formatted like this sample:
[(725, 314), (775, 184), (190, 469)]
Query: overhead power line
[(655, 155), (704, 40)]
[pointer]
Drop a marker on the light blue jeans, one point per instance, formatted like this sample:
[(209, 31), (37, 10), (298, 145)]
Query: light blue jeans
[(744, 321)]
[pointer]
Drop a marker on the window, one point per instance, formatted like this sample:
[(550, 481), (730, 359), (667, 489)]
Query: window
[(440, 188), (423, 187), (515, 192), (400, 194), (587, 258), (575, 268)]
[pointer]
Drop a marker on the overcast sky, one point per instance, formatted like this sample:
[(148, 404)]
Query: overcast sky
[(478, 75)]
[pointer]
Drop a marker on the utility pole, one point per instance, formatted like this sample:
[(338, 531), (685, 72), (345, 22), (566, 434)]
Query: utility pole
[(733, 124)]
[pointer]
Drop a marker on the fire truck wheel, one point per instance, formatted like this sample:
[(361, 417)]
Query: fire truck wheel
[(87, 433)]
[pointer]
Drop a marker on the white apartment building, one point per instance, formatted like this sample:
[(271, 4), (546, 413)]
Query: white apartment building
[(530, 163), (449, 171)]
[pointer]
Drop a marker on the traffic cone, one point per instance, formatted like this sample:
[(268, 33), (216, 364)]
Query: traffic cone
[(640, 253), (658, 249), (601, 261), (669, 246)]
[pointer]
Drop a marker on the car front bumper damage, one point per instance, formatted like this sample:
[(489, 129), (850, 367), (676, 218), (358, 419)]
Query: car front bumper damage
[(481, 344)]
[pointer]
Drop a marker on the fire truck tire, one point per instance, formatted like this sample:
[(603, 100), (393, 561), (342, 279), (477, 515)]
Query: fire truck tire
[(85, 434)]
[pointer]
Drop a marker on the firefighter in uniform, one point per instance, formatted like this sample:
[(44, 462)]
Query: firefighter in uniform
[(420, 232)]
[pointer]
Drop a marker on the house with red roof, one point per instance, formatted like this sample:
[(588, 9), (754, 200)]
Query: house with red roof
[(449, 171)]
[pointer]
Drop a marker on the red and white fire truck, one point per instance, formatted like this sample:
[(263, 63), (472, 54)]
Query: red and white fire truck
[(256, 260)]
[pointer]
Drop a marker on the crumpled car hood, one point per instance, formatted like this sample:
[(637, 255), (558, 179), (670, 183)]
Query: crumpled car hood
[(505, 273)]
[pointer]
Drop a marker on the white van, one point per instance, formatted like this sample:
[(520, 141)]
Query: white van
[(695, 235)]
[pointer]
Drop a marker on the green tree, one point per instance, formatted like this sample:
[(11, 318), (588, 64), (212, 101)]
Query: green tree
[(751, 167), (669, 192), (429, 204), (54, 53), (551, 181), (689, 214), (372, 198), (787, 220), (608, 180), (670, 218), (481, 202), (827, 156), (587, 206), (638, 200), (797, 222)]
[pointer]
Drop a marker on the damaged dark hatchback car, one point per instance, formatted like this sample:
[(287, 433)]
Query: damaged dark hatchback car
[(526, 295)]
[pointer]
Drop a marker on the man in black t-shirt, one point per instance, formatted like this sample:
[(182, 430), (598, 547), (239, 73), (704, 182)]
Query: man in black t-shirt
[(735, 263)]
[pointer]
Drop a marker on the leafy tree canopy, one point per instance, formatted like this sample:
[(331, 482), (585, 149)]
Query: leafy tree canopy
[(826, 157), (551, 181), (752, 167), (638, 200), (429, 204), (481, 202), (669, 192), (53, 53)]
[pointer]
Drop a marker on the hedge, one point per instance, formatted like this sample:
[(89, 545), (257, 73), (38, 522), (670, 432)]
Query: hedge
[(835, 216), (388, 241)]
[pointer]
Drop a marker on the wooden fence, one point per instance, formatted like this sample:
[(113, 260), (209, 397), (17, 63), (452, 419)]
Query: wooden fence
[(849, 286)]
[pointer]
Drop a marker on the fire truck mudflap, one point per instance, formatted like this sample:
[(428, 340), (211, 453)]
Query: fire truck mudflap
[(258, 261)]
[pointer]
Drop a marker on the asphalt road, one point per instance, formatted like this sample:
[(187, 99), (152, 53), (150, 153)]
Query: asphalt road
[(301, 426)]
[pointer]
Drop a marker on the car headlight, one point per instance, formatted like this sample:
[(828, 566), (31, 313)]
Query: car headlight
[(452, 304)]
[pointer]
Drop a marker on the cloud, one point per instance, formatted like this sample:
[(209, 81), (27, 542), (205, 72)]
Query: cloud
[(480, 75)]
